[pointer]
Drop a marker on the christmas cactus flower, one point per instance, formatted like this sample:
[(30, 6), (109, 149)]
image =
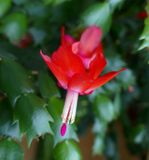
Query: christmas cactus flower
[(77, 66), (142, 15)]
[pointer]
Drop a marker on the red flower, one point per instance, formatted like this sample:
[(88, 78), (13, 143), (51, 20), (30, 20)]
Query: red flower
[(142, 15), (77, 66), (24, 41)]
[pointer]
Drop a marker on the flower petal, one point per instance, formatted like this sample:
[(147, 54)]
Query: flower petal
[(97, 64), (103, 79), (79, 83), (56, 70), (89, 41), (70, 63), (65, 38), (75, 47)]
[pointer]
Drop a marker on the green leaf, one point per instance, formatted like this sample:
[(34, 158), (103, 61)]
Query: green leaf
[(7, 126), (54, 2), (138, 134), (114, 61), (4, 6), (38, 35), (10, 150), (45, 148), (104, 108), (82, 109), (67, 150), (6, 54), (47, 86), (96, 93), (145, 35), (112, 87), (33, 117), (126, 78), (111, 147), (99, 127), (36, 9), (117, 104), (14, 26), (13, 80), (98, 14), (98, 145), (19, 2), (99, 130), (115, 3), (55, 109)]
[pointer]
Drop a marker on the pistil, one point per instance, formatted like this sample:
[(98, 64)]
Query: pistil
[(69, 111)]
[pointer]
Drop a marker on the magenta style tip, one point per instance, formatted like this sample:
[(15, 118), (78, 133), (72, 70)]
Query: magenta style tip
[(63, 129)]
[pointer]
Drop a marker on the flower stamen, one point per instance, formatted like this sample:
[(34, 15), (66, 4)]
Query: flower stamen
[(70, 106)]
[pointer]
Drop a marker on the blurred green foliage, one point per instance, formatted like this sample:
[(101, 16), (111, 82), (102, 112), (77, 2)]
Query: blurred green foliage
[(30, 100)]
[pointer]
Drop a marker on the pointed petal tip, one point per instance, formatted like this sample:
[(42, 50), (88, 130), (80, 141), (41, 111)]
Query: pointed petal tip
[(89, 41), (66, 38), (123, 69), (46, 58), (62, 34), (62, 29), (104, 79), (41, 53), (95, 27)]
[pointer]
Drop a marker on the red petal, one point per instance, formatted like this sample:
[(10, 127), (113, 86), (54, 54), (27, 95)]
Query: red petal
[(75, 47), (65, 38), (103, 79), (98, 64), (68, 62), (89, 41), (59, 74), (79, 83)]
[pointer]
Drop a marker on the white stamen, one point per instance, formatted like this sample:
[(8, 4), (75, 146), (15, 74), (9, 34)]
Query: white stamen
[(70, 106), (74, 108), (67, 104)]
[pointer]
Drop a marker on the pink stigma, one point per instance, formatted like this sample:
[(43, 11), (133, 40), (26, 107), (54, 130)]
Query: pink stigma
[(63, 129)]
